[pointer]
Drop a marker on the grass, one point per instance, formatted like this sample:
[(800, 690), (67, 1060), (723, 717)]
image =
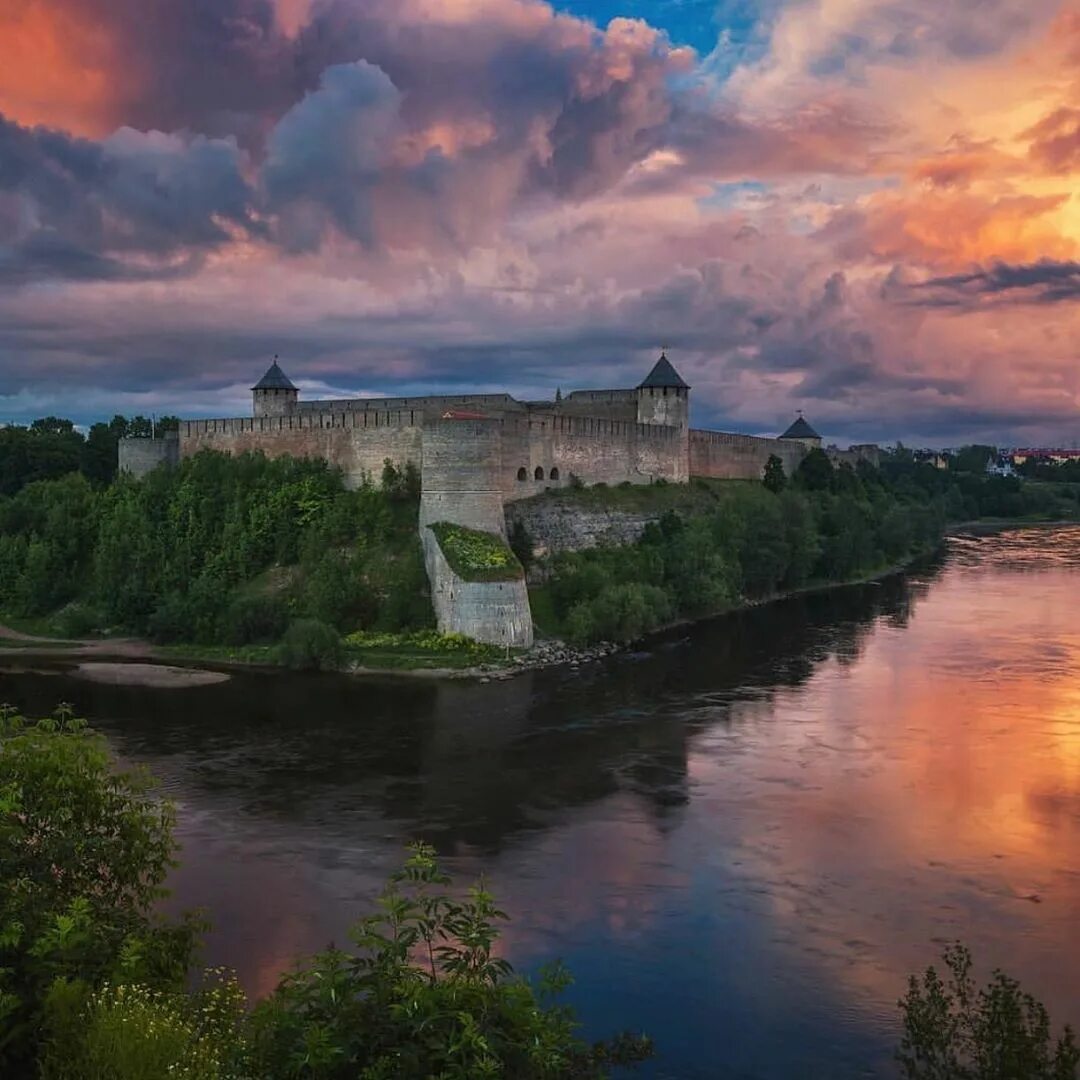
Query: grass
[(475, 555), (421, 651), (223, 654), (698, 495)]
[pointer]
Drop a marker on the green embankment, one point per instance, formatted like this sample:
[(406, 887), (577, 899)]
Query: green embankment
[(719, 545)]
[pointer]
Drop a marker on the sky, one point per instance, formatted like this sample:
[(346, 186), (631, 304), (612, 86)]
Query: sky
[(868, 210)]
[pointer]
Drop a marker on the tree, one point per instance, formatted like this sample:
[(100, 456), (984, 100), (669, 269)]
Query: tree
[(973, 459), (84, 851), (953, 1032), (815, 471), (424, 995), (775, 479)]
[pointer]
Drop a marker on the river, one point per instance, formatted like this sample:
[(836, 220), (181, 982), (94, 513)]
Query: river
[(740, 840)]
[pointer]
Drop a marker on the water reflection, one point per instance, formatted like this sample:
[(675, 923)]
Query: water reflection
[(741, 840)]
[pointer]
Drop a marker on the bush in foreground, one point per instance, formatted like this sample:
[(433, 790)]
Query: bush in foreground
[(954, 1032), (84, 851), (92, 986)]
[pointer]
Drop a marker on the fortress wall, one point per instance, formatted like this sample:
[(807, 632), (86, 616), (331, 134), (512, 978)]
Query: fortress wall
[(604, 404), (727, 456), (139, 456), (594, 449), (432, 406), (358, 444), (461, 474)]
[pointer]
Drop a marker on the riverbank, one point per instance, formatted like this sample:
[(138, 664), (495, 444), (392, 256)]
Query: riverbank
[(125, 656)]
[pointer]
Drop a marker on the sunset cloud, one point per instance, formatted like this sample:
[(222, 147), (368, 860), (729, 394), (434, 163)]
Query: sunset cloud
[(867, 208)]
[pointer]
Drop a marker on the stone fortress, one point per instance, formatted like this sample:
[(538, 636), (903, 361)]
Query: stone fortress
[(478, 452)]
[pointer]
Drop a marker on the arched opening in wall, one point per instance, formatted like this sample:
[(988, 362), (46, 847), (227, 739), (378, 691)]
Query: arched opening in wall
[(539, 474), (554, 474), (523, 474)]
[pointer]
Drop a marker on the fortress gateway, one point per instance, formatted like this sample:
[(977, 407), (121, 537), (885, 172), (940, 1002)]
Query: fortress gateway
[(476, 452)]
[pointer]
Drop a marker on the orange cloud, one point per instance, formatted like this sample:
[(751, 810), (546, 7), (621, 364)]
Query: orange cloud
[(57, 67)]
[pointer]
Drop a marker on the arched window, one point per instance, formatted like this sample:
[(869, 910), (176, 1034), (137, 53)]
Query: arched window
[(539, 474), (554, 474), (523, 473)]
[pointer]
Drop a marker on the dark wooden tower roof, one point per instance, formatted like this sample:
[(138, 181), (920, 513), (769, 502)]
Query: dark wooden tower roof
[(274, 379), (663, 374)]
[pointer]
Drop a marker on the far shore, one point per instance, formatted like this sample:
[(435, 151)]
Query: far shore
[(133, 661)]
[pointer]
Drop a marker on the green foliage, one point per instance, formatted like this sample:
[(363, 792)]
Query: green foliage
[(51, 447), (84, 851), (618, 613), (476, 555), (311, 645), (92, 986), (521, 544), (775, 479), (815, 471), (135, 1032), (744, 543), (954, 1032), (183, 554), (424, 995), (973, 459)]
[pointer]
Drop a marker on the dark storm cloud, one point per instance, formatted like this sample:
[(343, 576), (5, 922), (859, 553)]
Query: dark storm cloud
[(1043, 282), (130, 206), (326, 154)]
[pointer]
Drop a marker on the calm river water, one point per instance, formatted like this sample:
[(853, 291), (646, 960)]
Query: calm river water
[(741, 840)]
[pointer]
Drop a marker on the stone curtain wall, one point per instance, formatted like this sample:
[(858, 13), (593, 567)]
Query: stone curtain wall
[(431, 407), (140, 456), (725, 456), (593, 449), (357, 443)]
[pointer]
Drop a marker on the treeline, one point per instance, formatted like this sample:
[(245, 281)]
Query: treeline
[(52, 447), (221, 550), (825, 524)]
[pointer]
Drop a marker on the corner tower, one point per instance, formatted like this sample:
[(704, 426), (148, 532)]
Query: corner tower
[(274, 394), (802, 432), (663, 397)]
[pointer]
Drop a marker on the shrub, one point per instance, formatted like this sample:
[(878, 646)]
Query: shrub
[(76, 620), (619, 613), (476, 555), (423, 996), (953, 1032), (84, 851), (254, 620), (521, 544), (311, 645), (134, 1032)]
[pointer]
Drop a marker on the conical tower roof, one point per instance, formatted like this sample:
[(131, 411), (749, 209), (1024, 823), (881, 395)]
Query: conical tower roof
[(663, 374), (800, 430), (274, 379)]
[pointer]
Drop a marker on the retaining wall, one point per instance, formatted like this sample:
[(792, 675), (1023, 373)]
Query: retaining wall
[(460, 484)]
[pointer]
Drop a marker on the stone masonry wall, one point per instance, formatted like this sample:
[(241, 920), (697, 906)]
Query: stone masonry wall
[(357, 443), (557, 526), (725, 456), (141, 456), (460, 484)]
